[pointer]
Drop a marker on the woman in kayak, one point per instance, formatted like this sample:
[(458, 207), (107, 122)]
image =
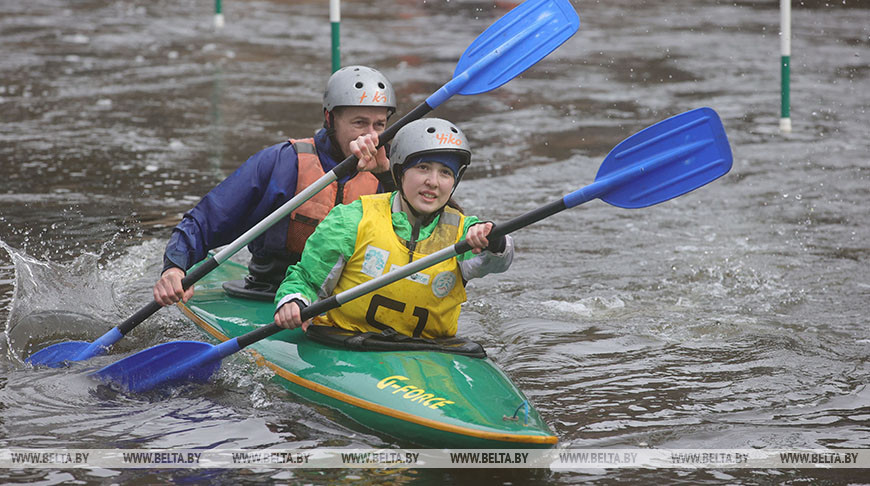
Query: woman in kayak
[(374, 234)]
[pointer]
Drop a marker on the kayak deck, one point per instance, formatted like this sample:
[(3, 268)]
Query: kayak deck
[(433, 399)]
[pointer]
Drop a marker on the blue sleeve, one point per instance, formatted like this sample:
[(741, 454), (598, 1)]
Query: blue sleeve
[(252, 192)]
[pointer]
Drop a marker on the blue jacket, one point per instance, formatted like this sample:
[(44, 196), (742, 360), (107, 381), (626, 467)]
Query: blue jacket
[(260, 186)]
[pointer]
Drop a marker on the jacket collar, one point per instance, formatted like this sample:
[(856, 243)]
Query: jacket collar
[(329, 154)]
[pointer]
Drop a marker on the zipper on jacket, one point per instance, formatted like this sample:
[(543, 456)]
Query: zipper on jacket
[(415, 233)]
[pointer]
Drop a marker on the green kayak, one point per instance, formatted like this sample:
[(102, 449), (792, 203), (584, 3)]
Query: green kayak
[(428, 398)]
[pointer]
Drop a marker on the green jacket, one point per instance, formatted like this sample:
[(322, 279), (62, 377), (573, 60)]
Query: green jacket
[(333, 242)]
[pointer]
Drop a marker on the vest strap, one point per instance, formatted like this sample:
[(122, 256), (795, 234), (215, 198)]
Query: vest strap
[(303, 147)]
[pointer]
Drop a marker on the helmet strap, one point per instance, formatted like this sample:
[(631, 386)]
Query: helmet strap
[(458, 177), (417, 214), (336, 151), (328, 120)]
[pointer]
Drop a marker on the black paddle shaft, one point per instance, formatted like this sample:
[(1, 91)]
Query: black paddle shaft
[(307, 312), (152, 307), (519, 222)]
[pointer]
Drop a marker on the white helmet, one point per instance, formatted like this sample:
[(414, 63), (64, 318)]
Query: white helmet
[(359, 86), (431, 137)]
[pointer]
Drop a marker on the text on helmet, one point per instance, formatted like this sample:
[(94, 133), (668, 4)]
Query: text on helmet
[(448, 139), (378, 97)]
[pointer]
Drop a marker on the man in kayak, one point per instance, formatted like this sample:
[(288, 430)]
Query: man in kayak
[(367, 238), (356, 105)]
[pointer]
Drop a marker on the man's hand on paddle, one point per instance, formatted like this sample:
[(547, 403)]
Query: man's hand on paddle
[(371, 158), (168, 290)]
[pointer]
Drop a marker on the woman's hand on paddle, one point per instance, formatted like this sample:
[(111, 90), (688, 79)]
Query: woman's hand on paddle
[(371, 158), (477, 237), (168, 290), (289, 316)]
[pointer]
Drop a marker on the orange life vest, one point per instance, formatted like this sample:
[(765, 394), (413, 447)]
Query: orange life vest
[(306, 217)]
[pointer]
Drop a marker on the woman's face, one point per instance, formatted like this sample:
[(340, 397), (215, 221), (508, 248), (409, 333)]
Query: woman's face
[(427, 186)]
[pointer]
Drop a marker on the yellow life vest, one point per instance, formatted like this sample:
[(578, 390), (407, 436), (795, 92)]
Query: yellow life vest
[(425, 304)]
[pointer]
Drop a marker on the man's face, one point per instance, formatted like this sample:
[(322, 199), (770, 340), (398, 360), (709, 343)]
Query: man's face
[(353, 121)]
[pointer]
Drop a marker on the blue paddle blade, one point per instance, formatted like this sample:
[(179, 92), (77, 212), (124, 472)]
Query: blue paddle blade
[(160, 365), (60, 354), (57, 355), (515, 42), (666, 160)]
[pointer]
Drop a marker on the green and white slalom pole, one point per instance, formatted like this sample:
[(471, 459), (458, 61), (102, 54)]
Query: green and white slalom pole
[(785, 48), (335, 21), (218, 15)]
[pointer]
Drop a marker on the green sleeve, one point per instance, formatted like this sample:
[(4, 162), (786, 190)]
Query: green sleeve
[(469, 222), (331, 244)]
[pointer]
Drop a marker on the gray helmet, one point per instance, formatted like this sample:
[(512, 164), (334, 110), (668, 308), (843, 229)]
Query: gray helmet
[(359, 86), (424, 136)]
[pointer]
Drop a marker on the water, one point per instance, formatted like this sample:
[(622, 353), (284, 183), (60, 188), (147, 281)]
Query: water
[(734, 315)]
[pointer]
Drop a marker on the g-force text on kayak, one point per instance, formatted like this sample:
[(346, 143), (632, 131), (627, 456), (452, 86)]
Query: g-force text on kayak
[(413, 393)]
